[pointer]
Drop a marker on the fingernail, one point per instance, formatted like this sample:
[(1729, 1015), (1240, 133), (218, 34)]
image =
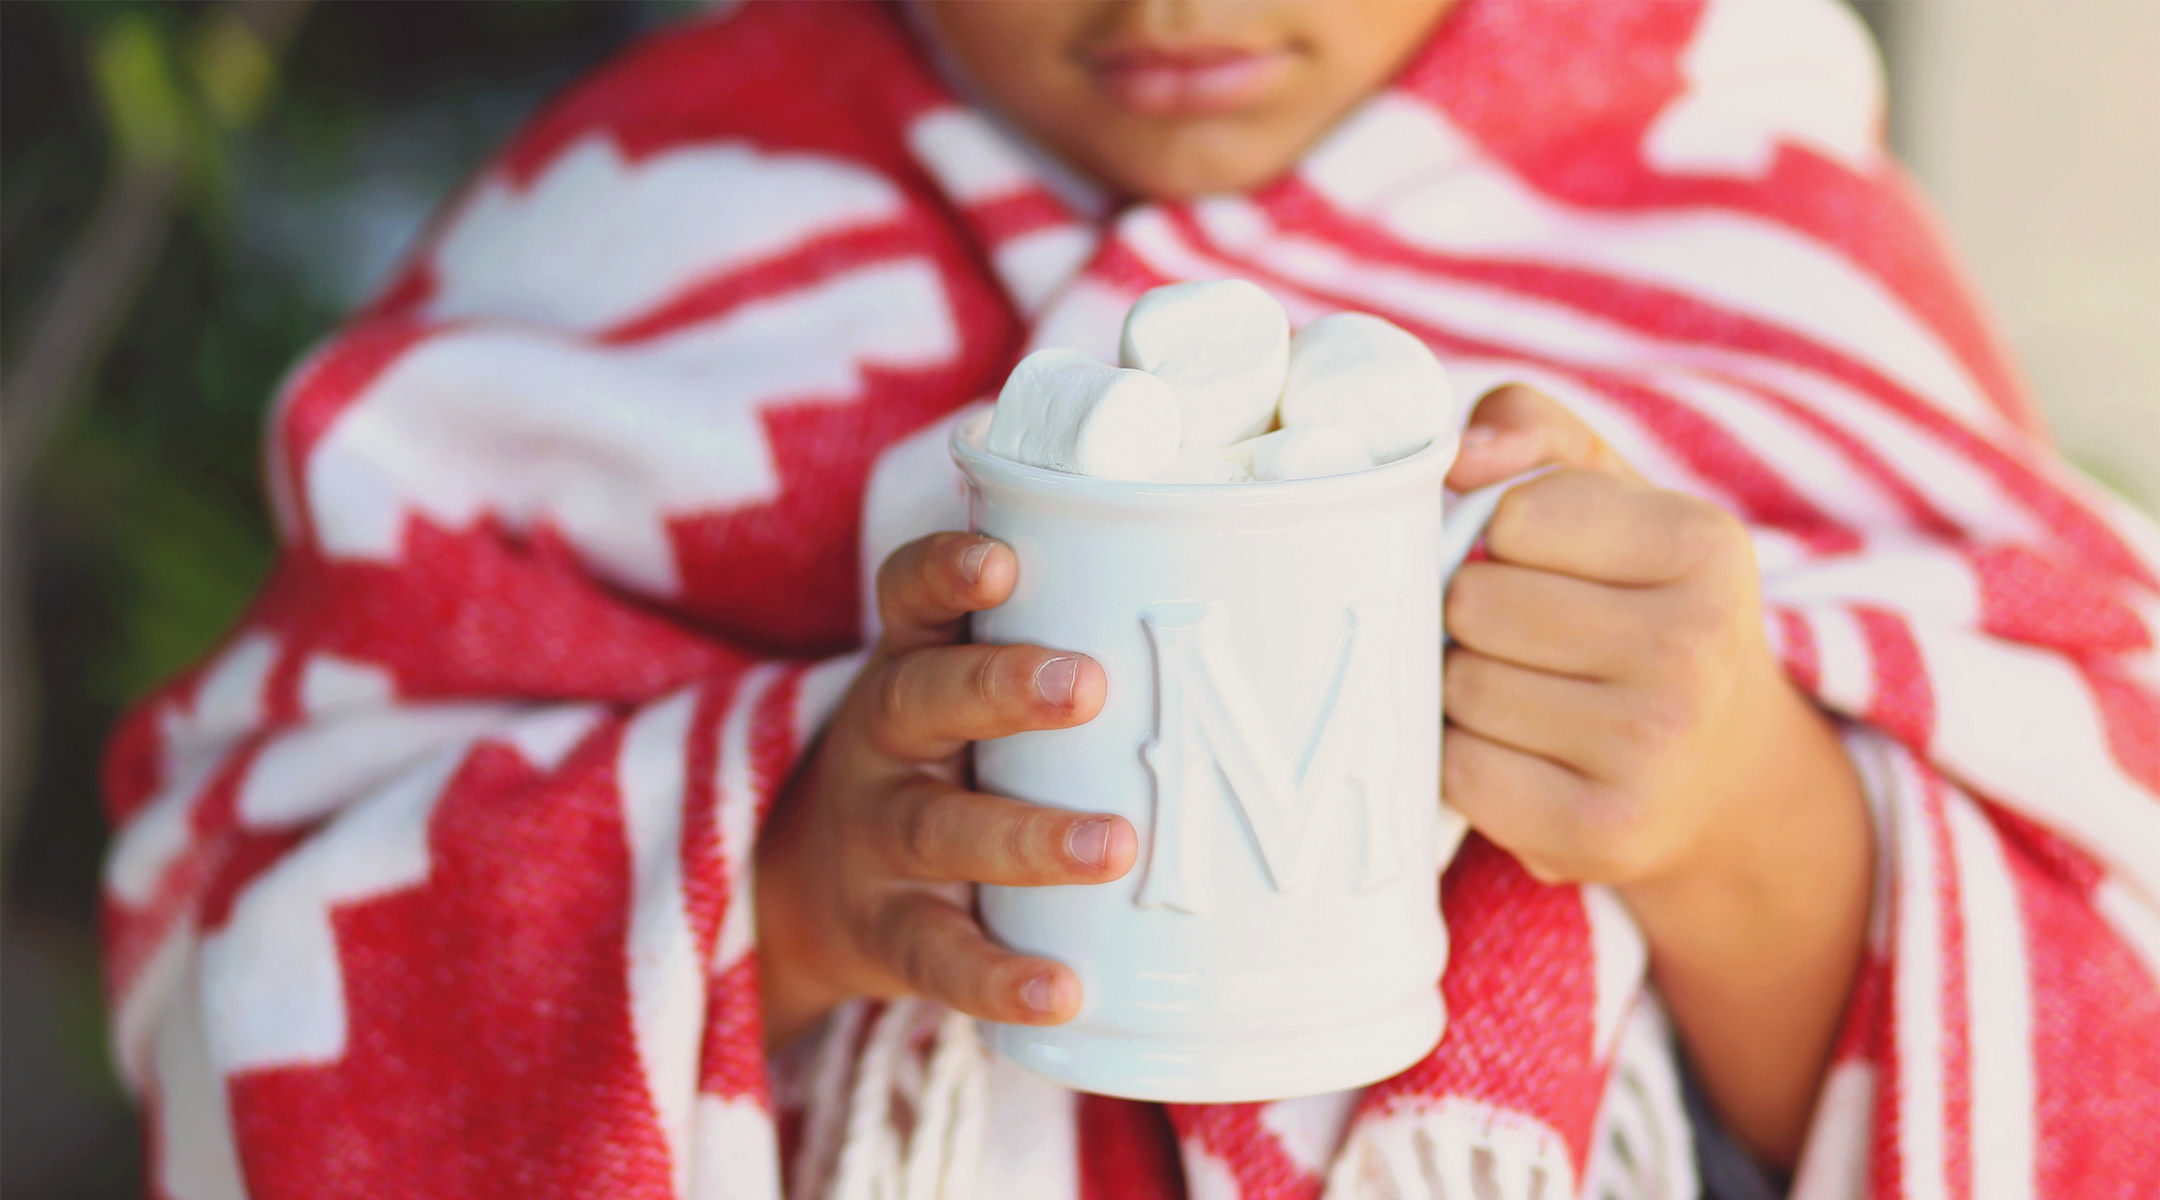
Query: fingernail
[(1055, 680), (1040, 995), (972, 560), (1089, 842)]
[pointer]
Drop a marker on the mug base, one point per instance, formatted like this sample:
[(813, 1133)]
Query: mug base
[(1191, 1071)]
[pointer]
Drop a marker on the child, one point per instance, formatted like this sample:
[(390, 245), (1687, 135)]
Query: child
[(1810, 702)]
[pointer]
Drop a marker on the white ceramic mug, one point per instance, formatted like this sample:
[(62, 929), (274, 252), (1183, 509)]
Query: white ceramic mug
[(1272, 731)]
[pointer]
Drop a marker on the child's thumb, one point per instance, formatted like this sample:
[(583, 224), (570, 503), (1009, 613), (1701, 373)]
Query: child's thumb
[(1515, 428)]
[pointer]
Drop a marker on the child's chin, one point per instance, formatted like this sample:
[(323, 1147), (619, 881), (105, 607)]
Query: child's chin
[(1183, 172)]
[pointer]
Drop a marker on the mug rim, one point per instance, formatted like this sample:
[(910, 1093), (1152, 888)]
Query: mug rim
[(984, 468)]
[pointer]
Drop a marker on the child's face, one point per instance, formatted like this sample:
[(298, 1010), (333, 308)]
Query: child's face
[(1167, 99)]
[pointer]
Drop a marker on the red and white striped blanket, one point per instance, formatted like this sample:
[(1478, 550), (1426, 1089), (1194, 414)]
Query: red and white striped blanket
[(431, 880)]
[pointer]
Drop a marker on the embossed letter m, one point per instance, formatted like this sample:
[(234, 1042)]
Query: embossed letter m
[(1212, 741)]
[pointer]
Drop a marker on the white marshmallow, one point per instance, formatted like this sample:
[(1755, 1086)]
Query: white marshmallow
[(1307, 452), (1213, 464), (1222, 345), (1370, 379), (1063, 410), (1304, 452)]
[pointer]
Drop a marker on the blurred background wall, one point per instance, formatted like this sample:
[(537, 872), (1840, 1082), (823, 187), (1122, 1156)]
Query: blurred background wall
[(224, 181), (2035, 126)]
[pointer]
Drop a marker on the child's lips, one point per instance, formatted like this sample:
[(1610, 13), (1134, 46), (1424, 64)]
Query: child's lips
[(1186, 81)]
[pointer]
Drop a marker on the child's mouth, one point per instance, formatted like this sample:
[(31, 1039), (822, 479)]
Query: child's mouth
[(1185, 81)]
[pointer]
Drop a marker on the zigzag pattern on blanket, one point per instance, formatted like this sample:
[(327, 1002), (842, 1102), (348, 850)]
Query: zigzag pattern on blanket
[(433, 880)]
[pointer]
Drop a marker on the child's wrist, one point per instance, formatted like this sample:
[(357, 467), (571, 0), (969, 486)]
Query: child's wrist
[(1792, 826), (1756, 939)]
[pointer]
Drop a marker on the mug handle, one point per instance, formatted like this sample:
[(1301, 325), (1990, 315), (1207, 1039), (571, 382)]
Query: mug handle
[(1460, 529), (1467, 518)]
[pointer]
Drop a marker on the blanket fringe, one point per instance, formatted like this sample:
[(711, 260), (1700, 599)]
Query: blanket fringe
[(1455, 1150), (914, 1131)]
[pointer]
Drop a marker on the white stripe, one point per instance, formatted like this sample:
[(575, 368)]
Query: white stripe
[(1036, 264), (1159, 243), (546, 737), (1086, 317), (530, 252), (735, 820), (667, 988), (330, 684), (610, 444), (1796, 454), (1763, 76), (967, 154), (310, 771), (1939, 473), (1834, 1163), (2039, 747), (1917, 1018), (2134, 921), (1823, 472), (1618, 956), (1919, 579), (1875, 757), (141, 1008), (1477, 207), (1031, 1137), (1845, 671), (1998, 1004), (273, 980), (198, 1157), (1310, 1128), (196, 738), (738, 1151), (1945, 477)]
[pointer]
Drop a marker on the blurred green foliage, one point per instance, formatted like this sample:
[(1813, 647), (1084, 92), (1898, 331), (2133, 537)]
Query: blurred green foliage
[(142, 526)]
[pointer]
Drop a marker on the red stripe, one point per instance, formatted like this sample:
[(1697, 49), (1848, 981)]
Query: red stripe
[(1919, 510), (2130, 717), (1002, 218), (1796, 644), (321, 390), (1954, 1006), (731, 1058), (773, 749), (1127, 1151), (1254, 1156), (2095, 1036), (1901, 702), (706, 893), (2026, 597), (1711, 450), (1759, 492), (1679, 317), (792, 270), (1491, 76), (1121, 265)]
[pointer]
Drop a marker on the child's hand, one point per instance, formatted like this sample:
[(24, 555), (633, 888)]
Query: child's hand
[(865, 869), (1615, 715), (1610, 688)]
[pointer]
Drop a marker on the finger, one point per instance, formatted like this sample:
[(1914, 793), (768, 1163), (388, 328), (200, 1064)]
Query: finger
[(1525, 804), (1550, 622), (929, 829), (940, 951), (925, 587), (1516, 427), (1598, 730), (926, 704), (1611, 530)]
